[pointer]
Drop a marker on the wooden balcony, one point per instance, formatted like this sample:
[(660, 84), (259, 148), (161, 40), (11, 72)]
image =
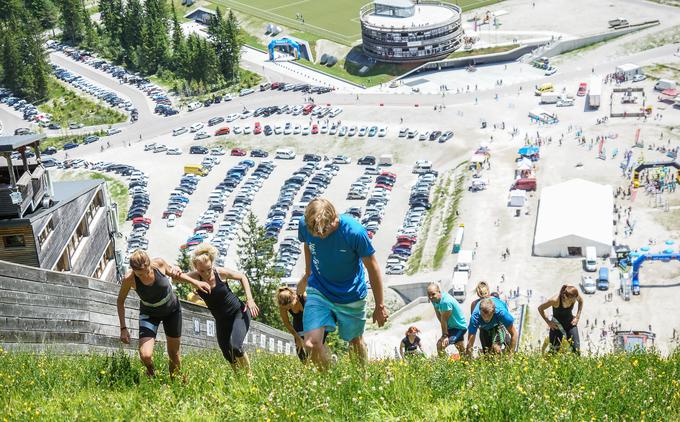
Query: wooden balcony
[(25, 187)]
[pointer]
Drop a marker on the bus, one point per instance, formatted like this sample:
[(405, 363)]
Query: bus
[(458, 239)]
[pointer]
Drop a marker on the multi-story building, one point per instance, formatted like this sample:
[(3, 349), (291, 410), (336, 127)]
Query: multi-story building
[(399, 31), (61, 226)]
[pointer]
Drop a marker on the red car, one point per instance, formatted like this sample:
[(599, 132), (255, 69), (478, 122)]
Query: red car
[(308, 109), (238, 152), (206, 226), (315, 129), (406, 238), (383, 186), (389, 174), (222, 131), (176, 213), (141, 220), (582, 88), (257, 130)]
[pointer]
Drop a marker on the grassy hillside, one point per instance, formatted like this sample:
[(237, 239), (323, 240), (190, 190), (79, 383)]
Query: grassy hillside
[(529, 387)]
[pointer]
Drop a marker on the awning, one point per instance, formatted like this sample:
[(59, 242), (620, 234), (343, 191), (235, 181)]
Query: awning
[(670, 92), (530, 150)]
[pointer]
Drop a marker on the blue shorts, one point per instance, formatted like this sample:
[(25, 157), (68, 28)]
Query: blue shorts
[(321, 312), (456, 334)]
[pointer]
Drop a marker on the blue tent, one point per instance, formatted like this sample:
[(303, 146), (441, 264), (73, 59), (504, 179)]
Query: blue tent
[(526, 151)]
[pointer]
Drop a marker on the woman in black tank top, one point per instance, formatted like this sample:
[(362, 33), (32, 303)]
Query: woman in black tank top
[(563, 322), (232, 317), (157, 304), (290, 303)]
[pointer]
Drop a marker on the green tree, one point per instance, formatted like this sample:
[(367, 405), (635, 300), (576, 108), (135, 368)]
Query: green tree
[(112, 17), (72, 24), (155, 36), (235, 43), (179, 50), (131, 37), (44, 11), (184, 263), (256, 260)]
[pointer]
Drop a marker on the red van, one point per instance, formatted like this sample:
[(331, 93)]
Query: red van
[(524, 184)]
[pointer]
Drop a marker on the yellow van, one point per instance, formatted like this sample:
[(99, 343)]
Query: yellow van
[(547, 87), (196, 169)]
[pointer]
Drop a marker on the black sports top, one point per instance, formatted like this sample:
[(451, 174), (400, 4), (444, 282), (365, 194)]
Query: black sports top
[(157, 299), (410, 347), (297, 317), (221, 300), (564, 315)]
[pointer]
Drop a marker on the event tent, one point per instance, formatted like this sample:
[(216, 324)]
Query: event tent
[(573, 215)]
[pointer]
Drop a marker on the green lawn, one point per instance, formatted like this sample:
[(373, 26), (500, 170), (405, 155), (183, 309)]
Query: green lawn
[(66, 106), (525, 388), (193, 91), (336, 20), (59, 141)]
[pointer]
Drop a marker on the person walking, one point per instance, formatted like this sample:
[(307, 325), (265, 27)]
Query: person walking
[(232, 317), (410, 344), (150, 278), (492, 318), (450, 317), (563, 323), (337, 248), (293, 305)]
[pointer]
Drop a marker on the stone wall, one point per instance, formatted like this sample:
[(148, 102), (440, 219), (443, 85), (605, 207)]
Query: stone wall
[(67, 313)]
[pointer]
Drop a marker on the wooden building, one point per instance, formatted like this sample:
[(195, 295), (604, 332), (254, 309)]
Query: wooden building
[(63, 226)]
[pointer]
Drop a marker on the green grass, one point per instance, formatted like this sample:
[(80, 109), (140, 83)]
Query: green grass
[(380, 73), (415, 261), (117, 189), (443, 246), (67, 106), (481, 51), (198, 92), (525, 388), (59, 141), (332, 20)]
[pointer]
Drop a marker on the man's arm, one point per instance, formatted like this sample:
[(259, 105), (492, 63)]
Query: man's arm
[(470, 344), (302, 284), (513, 338), (443, 321), (375, 278)]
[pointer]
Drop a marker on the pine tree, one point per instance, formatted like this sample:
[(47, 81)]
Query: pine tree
[(112, 16), (218, 35), (235, 43), (72, 24), (44, 11), (178, 44), (131, 37), (155, 43), (256, 260), (11, 60)]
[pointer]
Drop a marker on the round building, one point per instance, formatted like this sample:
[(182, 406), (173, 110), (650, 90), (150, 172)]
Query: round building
[(399, 31)]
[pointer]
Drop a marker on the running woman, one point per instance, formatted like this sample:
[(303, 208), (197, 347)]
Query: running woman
[(292, 305), (337, 248), (150, 278), (563, 322), (450, 317), (491, 316), (410, 344), (483, 292), (232, 317)]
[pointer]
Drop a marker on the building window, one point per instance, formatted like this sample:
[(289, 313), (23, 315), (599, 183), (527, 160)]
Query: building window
[(97, 202), (64, 263), (106, 258), (14, 241), (46, 232)]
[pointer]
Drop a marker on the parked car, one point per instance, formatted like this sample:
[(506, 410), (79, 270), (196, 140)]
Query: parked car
[(238, 152)]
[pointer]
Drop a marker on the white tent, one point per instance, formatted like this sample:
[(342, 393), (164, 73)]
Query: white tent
[(517, 198), (525, 164), (573, 215), (628, 70)]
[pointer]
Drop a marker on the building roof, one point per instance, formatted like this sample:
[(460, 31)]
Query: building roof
[(425, 15), (11, 143), (575, 208), (395, 3), (199, 9), (64, 192)]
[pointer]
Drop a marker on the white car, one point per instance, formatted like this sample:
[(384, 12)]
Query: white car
[(297, 129), (237, 129), (247, 130), (305, 130), (550, 71), (288, 129), (195, 106), (639, 77), (588, 284), (179, 131), (246, 114), (174, 151), (278, 129), (396, 269), (246, 91), (113, 131), (196, 127), (382, 132), (363, 130), (231, 117), (217, 151), (342, 159)]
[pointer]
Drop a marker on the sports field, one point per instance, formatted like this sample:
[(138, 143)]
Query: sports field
[(336, 20)]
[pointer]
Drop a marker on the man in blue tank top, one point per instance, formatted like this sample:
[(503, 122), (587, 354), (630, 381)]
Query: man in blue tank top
[(337, 248)]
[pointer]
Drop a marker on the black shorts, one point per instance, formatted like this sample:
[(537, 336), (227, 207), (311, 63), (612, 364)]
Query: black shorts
[(497, 335), (172, 324)]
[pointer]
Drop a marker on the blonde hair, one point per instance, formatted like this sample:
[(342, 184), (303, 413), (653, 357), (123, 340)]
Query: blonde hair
[(139, 259), (204, 253), (482, 289), (320, 215), (487, 306), (285, 296)]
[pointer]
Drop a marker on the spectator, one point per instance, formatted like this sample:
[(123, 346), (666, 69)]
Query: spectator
[(491, 317)]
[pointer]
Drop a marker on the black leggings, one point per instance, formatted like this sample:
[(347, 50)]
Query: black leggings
[(556, 338), (231, 331)]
